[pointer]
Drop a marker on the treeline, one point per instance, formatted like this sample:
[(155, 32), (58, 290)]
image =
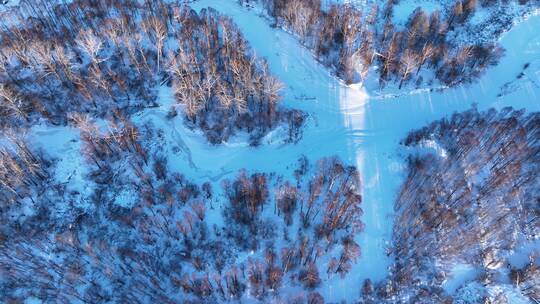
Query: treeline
[(353, 42), (98, 56), (475, 204)]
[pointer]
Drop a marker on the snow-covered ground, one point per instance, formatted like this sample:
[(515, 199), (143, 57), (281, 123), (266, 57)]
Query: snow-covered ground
[(363, 128), (405, 8)]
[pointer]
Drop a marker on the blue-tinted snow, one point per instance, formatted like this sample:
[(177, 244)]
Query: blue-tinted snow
[(343, 120), (405, 8), (460, 274)]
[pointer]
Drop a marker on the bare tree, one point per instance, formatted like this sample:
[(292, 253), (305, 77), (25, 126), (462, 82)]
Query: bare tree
[(408, 64), (12, 103), (91, 44), (159, 32)]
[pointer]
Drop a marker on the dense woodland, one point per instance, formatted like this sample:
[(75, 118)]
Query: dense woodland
[(128, 227), (98, 56), (474, 205), (142, 234), (353, 41)]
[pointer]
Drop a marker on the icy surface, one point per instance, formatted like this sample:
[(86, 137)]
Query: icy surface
[(363, 128), (460, 274)]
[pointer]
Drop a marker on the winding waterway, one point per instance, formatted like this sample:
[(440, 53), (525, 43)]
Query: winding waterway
[(363, 128)]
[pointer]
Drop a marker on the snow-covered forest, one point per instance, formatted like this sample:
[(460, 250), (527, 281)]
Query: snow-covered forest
[(470, 205), (269, 151)]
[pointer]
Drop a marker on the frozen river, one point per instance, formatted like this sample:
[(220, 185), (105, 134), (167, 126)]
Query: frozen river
[(361, 126), (364, 128)]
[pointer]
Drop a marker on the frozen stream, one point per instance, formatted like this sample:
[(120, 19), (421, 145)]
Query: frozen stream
[(366, 131), (343, 121)]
